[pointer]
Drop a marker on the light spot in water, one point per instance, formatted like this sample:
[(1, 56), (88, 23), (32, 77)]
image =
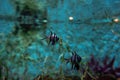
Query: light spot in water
[(71, 18), (116, 20), (45, 21)]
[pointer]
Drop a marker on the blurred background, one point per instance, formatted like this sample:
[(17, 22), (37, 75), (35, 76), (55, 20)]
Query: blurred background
[(89, 27)]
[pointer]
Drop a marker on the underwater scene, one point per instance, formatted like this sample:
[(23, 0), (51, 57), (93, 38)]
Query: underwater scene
[(59, 39)]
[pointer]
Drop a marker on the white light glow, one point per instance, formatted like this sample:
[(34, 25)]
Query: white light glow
[(116, 20), (45, 21), (71, 18)]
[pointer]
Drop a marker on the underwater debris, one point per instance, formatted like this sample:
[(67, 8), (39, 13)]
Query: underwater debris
[(53, 38), (104, 70), (75, 59)]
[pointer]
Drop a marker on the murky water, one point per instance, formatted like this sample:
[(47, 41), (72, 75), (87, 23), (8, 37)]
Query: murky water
[(29, 47)]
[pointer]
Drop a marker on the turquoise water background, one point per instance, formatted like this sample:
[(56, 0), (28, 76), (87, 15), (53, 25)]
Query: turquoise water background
[(91, 31)]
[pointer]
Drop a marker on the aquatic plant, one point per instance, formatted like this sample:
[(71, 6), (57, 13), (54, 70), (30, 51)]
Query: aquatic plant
[(104, 70)]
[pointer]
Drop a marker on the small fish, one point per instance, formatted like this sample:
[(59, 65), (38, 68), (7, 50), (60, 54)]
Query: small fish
[(52, 38), (75, 59)]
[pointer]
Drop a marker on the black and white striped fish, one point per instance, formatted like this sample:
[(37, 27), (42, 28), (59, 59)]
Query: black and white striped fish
[(75, 59)]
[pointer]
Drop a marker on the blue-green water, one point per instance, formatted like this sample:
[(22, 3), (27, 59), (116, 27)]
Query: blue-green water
[(93, 30)]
